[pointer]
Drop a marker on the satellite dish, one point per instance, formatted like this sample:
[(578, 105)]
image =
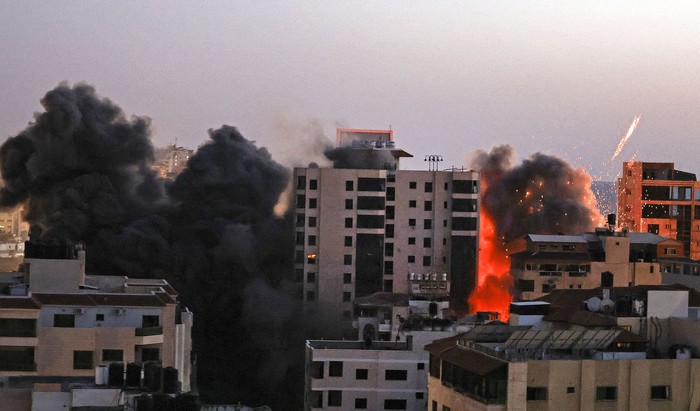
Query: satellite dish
[(593, 304), (607, 306)]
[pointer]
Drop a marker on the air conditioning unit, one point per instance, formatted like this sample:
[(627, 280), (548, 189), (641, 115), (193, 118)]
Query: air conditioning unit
[(119, 311), (80, 311)]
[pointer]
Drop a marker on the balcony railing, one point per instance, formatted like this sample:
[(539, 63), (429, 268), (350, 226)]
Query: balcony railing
[(146, 331)]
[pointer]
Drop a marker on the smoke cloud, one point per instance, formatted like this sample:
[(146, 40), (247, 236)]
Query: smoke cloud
[(543, 194), (83, 171)]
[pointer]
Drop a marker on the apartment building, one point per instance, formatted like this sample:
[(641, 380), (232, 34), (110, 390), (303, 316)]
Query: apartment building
[(58, 324), (657, 198), (589, 260), (365, 226), (557, 355)]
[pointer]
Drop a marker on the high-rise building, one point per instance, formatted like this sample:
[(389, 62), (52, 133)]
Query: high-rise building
[(657, 198), (365, 226)]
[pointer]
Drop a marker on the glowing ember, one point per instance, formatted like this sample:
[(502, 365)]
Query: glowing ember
[(626, 137)]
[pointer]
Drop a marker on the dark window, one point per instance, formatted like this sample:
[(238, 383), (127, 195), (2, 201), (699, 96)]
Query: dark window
[(526, 285), (660, 392), (419, 395), (298, 275), (312, 203), (64, 320), (390, 194), (370, 221), (412, 203), (570, 390), (301, 182), (310, 277), (335, 398), (465, 186), (17, 327), (347, 278), (426, 261), (389, 249), (300, 238), (390, 211), (411, 222), (99, 317), (411, 240), (348, 222), (389, 231), (310, 296), (427, 242), (464, 223), (348, 241), (537, 393), (420, 365), (446, 408), (349, 186), (301, 200), (395, 375), (112, 355), (148, 321), (434, 406), (313, 184), (361, 403), (312, 221), (370, 203), (371, 184), (82, 360), (388, 285), (347, 259), (653, 228), (411, 258), (606, 393), (150, 354), (412, 185), (300, 220), (311, 258), (394, 404), (655, 211), (464, 204), (312, 240), (348, 204), (428, 205), (388, 267), (427, 224), (428, 187), (335, 369), (361, 374), (347, 296), (17, 359)]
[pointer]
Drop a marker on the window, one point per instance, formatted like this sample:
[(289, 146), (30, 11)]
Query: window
[(390, 194), (348, 204), (464, 223), (17, 327), (570, 390), (388, 267), (150, 354), (653, 228), (361, 374), (348, 222), (606, 393), (299, 238), (412, 203), (420, 365), (313, 184), (348, 241), (312, 203), (311, 277), (390, 211), (660, 392), (312, 221), (411, 240), (370, 203), (301, 182), (465, 186), (434, 406), (347, 278), (411, 258), (112, 355), (335, 369), (349, 186), (312, 240), (389, 231), (335, 398), (427, 224), (419, 395), (389, 249), (361, 403), (446, 408), (371, 184), (428, 205), (426, 261), (427, 242), (347, 296), (311, 258), (310, 296), (370, 221), (412, 185), (395, 375), (148, 321), (301, 200), (82, 360), (411, 222), (394, 404), (99, 317), (299, 274), (428, 187), (347, 259), (537, 393), (64, 320), (300, 220), (464, 204)]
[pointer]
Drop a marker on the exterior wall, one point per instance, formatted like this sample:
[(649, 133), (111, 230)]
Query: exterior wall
[(446, 397), (55, 276), (667, 303), (15, 399)]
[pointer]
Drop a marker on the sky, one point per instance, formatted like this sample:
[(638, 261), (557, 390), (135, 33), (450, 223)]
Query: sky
[(449, 77)]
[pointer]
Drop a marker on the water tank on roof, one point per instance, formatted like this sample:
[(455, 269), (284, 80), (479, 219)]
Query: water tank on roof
[(607, 306), (143, 403), (116, 374), (593, 304), (170, 384), (152, 376), (188, 402), (101, 375), (163, 402), (133, 374)]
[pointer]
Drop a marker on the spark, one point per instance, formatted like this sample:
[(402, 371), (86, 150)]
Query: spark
[(626, 137)]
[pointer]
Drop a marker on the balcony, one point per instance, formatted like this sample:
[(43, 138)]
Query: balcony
[(146, 331), (148, 335)]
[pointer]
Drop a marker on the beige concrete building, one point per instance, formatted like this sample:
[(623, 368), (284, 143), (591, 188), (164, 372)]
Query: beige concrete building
[(365, 226), (613, 259), (58, 325)]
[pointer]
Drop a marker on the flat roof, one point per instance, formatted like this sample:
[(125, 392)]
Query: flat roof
[(545, 238)]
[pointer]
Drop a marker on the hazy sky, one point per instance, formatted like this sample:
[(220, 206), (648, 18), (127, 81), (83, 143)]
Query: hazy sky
[(564, 78)]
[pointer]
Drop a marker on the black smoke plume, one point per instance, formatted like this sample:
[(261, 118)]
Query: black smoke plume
[(542, 195), (83, 171)]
